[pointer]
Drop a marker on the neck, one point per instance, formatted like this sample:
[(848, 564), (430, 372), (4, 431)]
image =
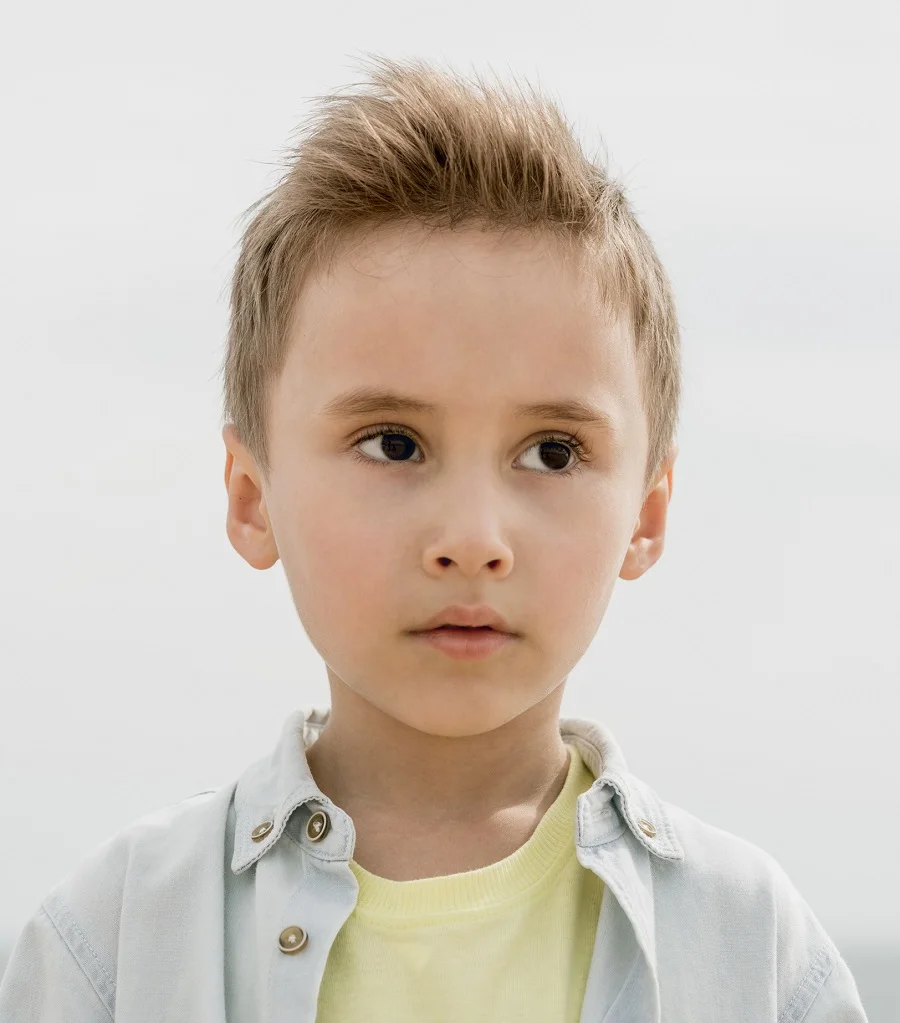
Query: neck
[(366, 761)]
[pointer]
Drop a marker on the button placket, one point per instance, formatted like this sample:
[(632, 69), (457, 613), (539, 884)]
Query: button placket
[(293, 939)]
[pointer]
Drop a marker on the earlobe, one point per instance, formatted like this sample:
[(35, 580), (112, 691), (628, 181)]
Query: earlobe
[(643, 553), (247, 522), (649, 533), (255, 545)]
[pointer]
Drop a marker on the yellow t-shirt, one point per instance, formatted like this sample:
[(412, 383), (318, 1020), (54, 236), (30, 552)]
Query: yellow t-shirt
[(509, 941)]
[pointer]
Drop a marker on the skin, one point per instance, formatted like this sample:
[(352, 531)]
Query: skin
[(420, 744)]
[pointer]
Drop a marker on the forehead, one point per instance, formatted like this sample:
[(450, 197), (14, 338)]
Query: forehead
[(468, 320)]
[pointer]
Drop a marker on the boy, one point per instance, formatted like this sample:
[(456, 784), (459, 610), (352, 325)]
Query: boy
[(451, 384)]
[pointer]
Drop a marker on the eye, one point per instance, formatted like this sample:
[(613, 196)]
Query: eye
[(557, 454), (396, 443)]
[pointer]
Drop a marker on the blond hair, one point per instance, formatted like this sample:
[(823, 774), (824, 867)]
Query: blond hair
[(426, 146)]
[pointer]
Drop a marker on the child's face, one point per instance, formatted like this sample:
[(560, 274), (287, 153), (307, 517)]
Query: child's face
[(470, 511)]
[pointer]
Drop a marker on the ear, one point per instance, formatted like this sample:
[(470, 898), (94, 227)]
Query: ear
[(247, 523), (648, 541)]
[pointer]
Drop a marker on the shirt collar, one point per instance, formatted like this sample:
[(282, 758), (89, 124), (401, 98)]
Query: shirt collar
[(271, 789)]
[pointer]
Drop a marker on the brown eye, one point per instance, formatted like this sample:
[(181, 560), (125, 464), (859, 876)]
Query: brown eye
[(394, 446), (554, 453)]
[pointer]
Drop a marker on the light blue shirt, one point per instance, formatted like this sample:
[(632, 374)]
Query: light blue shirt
[(222, 908)]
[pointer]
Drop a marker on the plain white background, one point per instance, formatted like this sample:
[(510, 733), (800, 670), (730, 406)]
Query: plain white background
[(751, 676)]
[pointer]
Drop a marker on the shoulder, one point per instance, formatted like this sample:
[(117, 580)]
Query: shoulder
[(716, 853), (144, 873), (741, 898), (135, 888), (172, 835), (735, 872)]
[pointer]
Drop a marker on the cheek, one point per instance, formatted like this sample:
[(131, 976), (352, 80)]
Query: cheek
[(575, 586), (348, 559), (580, 567)]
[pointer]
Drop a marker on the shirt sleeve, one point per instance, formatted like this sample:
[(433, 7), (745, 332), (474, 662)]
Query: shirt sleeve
[(44, 983), (815, 984), (837, 1000)]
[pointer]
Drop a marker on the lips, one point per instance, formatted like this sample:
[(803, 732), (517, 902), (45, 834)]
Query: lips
[(467, 616), (465, 643)]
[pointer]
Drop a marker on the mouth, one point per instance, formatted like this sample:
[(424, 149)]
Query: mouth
[(470, 618), (465, 628), (465, 642)]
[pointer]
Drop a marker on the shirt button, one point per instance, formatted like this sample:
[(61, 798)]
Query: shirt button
[(261, 830), (292, 939), (317, 826), (646, 827)]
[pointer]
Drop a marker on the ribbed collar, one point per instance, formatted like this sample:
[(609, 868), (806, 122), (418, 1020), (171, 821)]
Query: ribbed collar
[(537, 862)]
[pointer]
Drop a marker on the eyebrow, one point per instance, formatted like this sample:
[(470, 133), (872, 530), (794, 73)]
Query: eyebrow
[(371, 400)]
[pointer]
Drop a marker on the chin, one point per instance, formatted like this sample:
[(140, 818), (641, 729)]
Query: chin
[(458, 717)]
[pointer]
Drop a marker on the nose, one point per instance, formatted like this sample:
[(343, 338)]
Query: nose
[(472, 545)]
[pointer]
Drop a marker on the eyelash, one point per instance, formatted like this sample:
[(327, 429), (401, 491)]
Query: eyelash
[(575, 441)]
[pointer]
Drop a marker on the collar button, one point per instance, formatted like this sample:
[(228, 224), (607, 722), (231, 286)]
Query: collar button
[(261, 830), (646, 827), (317, 826)]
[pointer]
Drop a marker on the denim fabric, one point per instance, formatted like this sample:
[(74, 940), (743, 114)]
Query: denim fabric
[(177, 917)]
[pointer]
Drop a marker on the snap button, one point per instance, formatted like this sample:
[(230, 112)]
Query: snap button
[(292, 939), (261, 830), (317, 826), (646, 827)]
